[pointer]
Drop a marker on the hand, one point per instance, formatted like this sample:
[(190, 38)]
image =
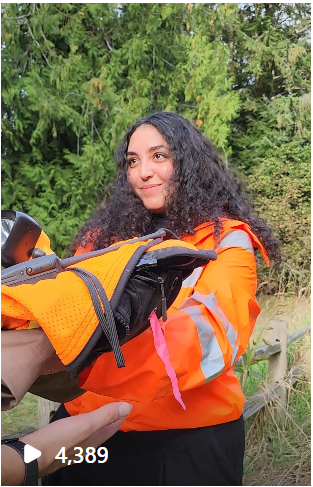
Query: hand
[(89, 429)]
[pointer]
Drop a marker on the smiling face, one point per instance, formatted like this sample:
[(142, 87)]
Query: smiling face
[(150, 167)]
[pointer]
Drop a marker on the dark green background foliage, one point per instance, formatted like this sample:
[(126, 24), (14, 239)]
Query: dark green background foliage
[(76, 76)]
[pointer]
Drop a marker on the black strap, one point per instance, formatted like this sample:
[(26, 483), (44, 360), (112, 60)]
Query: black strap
[(104, 312), (31, 468)]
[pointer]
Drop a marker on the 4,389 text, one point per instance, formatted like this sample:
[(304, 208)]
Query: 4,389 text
[(91, 455)]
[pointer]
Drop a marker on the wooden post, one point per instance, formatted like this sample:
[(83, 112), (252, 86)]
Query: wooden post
[(277, 363), (46, 409)]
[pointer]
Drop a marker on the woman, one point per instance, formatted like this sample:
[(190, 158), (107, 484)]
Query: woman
[(169, 175)]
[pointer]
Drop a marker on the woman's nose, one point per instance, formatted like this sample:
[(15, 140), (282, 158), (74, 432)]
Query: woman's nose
[(146, 171)]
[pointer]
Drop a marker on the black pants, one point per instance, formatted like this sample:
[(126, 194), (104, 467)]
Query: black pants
[(202, 456)]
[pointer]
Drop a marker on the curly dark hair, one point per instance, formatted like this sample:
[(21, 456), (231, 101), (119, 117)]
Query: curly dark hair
[(205, 190)]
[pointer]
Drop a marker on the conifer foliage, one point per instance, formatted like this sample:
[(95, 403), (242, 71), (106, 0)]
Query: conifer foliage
[(76, 75)]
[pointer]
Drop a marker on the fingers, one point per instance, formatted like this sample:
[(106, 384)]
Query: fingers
[(108, 414), (125, 409), (102, 434), (106, 421)]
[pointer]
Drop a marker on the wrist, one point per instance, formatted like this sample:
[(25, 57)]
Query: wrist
[(15, 472), (12, 466)]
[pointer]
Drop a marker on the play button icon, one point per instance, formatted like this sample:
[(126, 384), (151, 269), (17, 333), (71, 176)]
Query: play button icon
[(31, 453)]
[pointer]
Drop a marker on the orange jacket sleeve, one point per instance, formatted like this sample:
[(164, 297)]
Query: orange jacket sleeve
[(207, 329)]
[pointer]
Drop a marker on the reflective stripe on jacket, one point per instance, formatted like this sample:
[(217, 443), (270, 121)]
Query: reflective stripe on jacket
[(208, 328)]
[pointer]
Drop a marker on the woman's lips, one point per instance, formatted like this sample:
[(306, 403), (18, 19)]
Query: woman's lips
[(150, 188)]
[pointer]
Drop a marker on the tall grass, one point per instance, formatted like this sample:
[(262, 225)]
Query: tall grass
[(278, 446), (296, 310)]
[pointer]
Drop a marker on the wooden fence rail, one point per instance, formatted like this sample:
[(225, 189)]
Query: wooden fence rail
[(259, 400), (276, 354), (263, 352)]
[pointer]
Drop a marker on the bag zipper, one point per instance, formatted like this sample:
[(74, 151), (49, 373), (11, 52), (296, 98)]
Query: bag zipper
[(123, 322), (163, 299)]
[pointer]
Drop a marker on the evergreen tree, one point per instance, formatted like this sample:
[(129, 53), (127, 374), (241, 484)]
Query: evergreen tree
[(75, 76), (271, 136)]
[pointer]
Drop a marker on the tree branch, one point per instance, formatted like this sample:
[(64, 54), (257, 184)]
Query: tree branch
[(78, 139), (108, 44), (168, 63), (97, 131), (37, 43), (70, 94), (19, 17), (43, 35)]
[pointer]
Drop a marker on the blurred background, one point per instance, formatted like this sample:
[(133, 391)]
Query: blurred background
[(75, 76)]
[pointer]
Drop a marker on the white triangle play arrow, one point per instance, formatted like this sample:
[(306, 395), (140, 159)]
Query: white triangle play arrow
[(31, 453)]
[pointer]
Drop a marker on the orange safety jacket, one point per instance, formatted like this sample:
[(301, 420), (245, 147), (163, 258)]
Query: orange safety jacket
[(207, 329)]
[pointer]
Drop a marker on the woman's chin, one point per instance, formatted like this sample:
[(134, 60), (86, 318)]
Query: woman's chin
[(156, 210), (154, 207)]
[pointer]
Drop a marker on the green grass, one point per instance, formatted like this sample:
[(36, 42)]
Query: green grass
[(252, 383), (23, 416), (279, 452), (257, 375), (297, 312), (278, 446), (278, 438)]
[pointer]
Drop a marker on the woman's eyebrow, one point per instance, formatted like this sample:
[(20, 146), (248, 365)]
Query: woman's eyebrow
[(155, 147)]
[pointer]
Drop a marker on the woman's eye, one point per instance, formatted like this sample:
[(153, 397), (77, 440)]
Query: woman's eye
[(132, 162), (159, 156)]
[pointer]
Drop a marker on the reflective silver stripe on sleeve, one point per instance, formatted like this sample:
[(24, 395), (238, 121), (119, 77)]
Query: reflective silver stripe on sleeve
[(212, 361), (192, 280), (236, 238)]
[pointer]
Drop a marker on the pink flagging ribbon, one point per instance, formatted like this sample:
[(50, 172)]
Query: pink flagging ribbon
[(162, 351)]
